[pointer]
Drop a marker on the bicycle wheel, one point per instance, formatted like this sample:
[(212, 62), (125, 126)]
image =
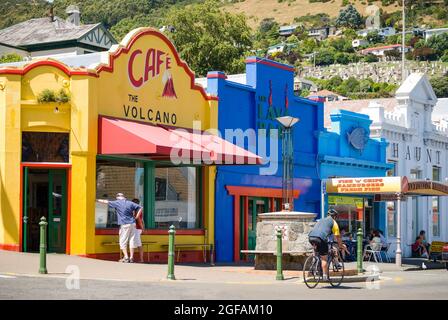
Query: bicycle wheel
[(335, 271), (311, 272)]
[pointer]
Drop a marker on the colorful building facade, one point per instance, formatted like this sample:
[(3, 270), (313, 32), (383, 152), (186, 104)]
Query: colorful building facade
[(71, 135), (252, 102), (346, 150)]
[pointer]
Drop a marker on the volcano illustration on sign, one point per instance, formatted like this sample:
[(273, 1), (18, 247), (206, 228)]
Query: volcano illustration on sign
[(168, 89)]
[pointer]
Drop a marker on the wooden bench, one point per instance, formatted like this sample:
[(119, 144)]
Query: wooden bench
[(204, 246), (117, 243)]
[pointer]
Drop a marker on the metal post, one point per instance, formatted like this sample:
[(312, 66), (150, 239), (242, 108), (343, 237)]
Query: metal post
[(279, 256), (359, 255), (403, 44), (171, 234), (43, 245), (398, 250), (287, 185)]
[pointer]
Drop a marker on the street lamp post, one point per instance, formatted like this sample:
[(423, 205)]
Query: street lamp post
[(287, 123), (398, 250)]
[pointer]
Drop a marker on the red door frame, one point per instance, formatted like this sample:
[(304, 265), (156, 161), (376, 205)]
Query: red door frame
[(47, 165), (246, 192)]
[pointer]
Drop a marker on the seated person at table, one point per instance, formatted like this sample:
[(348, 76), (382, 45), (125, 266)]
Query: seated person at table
[(422, 236), (344, 250), (375, 243), (344, 235), (419, 249)]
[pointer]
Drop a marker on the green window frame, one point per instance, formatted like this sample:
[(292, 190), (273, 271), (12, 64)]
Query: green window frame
[(149, 189)]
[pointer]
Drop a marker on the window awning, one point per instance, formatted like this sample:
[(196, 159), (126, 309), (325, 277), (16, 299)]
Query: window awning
[(124, 137)]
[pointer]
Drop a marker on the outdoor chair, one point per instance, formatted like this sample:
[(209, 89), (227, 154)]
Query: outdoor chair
[(375, 253)]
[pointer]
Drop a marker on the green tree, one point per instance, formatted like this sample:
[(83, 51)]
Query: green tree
[(374, 37), (325, 56), (440, 86), (12, 57), (349, 18), (370, 58), (210, 39)]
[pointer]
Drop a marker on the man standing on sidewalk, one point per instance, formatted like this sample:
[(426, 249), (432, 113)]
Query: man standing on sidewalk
[(125, 211)]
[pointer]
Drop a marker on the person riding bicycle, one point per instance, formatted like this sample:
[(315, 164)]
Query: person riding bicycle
[(318, 237)]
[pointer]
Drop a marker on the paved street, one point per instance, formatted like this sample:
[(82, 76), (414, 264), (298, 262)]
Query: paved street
[(411, 285), (19, 280)]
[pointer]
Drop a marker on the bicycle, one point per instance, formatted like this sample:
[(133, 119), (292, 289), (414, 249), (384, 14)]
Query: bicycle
[(312, 269)]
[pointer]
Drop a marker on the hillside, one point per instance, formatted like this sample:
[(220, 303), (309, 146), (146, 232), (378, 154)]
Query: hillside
[(284, 12)]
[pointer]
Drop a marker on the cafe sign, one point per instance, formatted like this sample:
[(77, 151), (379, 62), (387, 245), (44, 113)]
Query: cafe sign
[(370, 185)]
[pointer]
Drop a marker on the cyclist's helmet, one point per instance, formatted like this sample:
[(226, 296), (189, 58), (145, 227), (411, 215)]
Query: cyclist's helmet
[(333, 213)]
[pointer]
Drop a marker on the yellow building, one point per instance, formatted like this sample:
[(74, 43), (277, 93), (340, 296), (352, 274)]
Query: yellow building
[(86, 128)]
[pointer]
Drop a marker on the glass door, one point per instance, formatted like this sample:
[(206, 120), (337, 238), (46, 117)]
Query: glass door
[(45, 195), (255, 207), (57, 199)]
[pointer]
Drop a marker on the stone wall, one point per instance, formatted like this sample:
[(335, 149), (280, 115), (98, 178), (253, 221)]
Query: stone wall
[(295, 227)]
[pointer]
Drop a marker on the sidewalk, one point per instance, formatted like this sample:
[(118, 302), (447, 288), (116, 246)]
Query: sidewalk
[(18, 263), (59, 265)]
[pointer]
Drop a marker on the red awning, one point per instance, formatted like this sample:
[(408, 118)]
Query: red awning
[(118, 136)]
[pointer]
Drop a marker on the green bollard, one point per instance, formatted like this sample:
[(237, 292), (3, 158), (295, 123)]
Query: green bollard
[(359, 255), (43, 245), (279, 256), (171, 233)]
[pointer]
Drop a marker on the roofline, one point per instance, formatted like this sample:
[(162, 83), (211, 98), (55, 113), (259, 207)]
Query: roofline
[(62, 44), (12, 46)]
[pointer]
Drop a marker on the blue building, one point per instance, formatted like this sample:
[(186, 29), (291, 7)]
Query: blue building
[(251, 102), (347, 151)]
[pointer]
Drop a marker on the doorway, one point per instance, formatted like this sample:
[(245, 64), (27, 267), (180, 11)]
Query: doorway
[(45, 195), (255, 206)]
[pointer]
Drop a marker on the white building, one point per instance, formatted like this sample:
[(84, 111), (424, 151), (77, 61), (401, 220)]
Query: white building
[(418, 148), (359, 42), (380, 51), (434, 32)]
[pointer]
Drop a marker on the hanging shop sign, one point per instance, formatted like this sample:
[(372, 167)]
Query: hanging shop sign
[(371, 185)]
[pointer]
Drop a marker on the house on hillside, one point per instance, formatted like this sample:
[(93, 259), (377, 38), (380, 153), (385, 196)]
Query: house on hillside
[(322, 33), (326, 96), (287, 30), (384, 32), (304, 84), (434, 32), (53, 35), (359, 43)]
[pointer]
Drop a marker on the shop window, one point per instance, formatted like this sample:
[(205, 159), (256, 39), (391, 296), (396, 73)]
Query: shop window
[(435, 217), (350, 210), (436, 173), (45, 147), (177, 198), (113, 177), (416, 174), (391, 219)]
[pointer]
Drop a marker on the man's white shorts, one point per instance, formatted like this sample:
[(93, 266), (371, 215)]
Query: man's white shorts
[(137, 239), (127, 235)]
